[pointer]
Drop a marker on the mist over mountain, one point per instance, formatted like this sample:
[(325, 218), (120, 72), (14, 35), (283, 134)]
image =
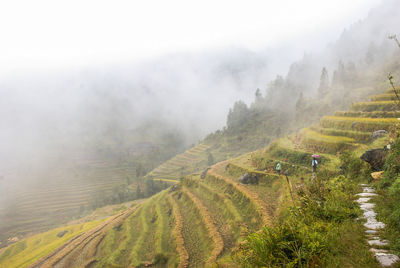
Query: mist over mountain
[(160, 106)]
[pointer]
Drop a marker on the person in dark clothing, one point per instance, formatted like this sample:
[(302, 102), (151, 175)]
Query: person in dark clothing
[(314, 164)]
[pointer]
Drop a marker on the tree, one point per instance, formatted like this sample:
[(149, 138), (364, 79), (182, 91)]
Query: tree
[(278, 132), (210, 159), (139, 192), (258, 95), (299, 102), (128, 180), (323, 83), (339, 76), (371, 52), (149, 187), (139, 170), (237, 115), (299, 106)]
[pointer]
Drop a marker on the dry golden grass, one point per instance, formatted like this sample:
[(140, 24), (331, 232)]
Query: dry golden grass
[(211, 228), (253, 197), (180, 242), (363, 124), (374, 106), (71, 251)]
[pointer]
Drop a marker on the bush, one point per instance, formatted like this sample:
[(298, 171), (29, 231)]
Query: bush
[(392, 165), (353, 167), (291, 244)]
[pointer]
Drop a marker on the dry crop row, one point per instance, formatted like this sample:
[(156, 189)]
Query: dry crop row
[(180, 242), (211, 227)]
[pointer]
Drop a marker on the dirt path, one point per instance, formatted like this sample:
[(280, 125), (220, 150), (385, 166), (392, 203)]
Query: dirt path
[(81, 250)]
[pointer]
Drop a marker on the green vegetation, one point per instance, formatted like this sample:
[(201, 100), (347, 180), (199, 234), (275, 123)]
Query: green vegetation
[(358, 136), (191, 161), (207, 217), (324, 143), (316, 231), (373, 106), (357, 123), (384, 97), (27, 251), (375, 114), (204, 218), (388, 206)]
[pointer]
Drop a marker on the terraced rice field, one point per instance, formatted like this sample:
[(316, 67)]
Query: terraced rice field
[(57, 195), (347, 130), (191, 161), (196, 225), (199, 221)]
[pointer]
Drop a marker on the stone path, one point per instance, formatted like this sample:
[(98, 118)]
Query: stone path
[(373, 226)]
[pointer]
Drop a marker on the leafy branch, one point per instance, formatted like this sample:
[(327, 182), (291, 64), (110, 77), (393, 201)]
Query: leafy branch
[(390, 77)]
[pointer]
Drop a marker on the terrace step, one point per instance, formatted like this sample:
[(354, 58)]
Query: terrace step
[(374, 114), (391, 91), (374, 106), (325, 143), (196, 237), (180, 242), (358, 136), (384, 97), (357, 123), (210, 225), (217, 172)]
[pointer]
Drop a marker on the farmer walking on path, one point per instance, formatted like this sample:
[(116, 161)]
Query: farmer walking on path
[(314, 164), (278, 168)]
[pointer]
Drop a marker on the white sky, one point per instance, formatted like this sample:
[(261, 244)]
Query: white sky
[(56, 33)]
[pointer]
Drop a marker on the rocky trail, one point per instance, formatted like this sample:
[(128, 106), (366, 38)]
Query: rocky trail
[(373, 226)]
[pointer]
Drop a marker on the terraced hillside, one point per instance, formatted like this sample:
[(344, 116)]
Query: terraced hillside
[(191, 161), (347, 130), (51, 202), (202, 220)]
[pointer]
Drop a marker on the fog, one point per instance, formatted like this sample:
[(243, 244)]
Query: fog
[(60, 97)]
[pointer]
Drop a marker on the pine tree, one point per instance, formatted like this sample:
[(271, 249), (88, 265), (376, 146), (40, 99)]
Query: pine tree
[(299, 102), (299, 106), (371, 52), (258, 95), (210, 159), (323, 83)]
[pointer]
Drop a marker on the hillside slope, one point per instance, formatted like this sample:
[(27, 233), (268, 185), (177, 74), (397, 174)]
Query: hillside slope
[(202, 219)]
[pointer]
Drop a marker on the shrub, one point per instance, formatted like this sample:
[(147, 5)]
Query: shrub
[(353, 167), (291, 244), (308, 233)]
